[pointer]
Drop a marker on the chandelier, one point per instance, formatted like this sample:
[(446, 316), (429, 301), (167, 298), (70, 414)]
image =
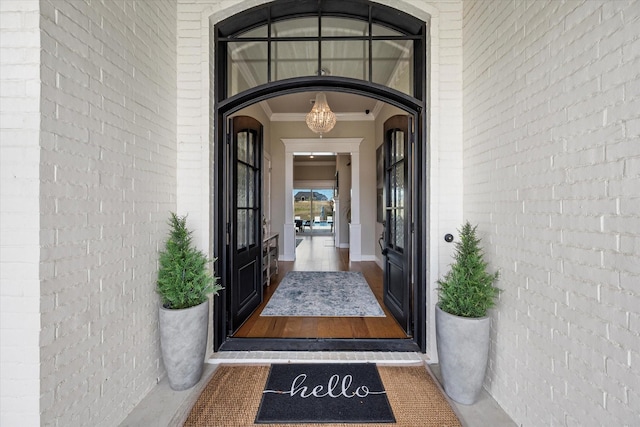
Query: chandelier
[(321, 119)]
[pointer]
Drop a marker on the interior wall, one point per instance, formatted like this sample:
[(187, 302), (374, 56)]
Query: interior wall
[(107, 185), (311, 172), (552, 171), (343, 129), (344, 197)]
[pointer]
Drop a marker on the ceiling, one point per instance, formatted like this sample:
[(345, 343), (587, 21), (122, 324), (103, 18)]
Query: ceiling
[(338, 101)]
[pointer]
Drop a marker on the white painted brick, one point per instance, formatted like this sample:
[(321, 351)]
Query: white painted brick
[(591, 114), (82, 88), (19, 272)]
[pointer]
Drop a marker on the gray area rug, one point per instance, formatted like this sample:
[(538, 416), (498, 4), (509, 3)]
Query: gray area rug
[(323, 294)]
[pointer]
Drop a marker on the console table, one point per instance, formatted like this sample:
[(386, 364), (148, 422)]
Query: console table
[(269, 257)]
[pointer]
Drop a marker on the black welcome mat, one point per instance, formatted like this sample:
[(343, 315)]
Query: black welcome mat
[(324, 393)]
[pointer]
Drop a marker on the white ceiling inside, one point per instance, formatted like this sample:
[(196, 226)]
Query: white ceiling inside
[(339, 102)]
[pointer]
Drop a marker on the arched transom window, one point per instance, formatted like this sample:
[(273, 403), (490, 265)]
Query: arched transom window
[(338, 38)]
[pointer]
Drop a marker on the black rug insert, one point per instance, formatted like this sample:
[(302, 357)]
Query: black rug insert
[(324, 393)]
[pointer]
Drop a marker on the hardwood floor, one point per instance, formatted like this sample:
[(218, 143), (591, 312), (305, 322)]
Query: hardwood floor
[(317, 253)]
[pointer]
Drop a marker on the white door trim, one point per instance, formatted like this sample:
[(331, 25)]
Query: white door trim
[(334, 145)]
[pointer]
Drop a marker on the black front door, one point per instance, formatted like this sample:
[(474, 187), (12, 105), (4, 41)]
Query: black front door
[(245, 231), (397, 221)]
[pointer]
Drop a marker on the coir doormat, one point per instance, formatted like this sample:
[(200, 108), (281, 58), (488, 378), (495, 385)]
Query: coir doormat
[(324, 393), (233, 394)]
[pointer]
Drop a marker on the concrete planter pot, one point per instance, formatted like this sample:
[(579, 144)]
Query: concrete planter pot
[(463, 352), (183, 341)]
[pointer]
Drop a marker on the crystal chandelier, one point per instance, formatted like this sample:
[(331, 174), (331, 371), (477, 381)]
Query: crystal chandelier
[(321, 119)]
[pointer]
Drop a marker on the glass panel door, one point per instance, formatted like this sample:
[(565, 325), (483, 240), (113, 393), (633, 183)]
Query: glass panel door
[(313, 210), (397, 281)]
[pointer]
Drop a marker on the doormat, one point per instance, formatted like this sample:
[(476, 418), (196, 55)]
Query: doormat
[(324, 393), (233, 395), (323, 294)]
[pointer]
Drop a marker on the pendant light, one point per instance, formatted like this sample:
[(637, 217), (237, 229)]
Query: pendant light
[(321, 119)]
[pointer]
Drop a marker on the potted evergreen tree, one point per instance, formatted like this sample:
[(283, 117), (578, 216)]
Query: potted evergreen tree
[(184, 284), (462, 327)]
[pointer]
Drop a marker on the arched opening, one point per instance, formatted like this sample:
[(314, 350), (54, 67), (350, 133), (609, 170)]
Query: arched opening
[(250, 50)]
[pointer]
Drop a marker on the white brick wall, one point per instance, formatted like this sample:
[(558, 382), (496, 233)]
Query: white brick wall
[(19, 221), (107, 184), (552, 174)]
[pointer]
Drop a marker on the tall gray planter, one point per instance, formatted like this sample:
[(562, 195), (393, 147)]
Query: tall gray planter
[(463, 352), (183, 341)]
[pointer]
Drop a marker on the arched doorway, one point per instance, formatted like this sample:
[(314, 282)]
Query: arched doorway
[(258, 56)]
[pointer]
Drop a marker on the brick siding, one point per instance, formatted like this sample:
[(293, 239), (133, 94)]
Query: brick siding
[(108, 182), (552, 172), (19, 204)]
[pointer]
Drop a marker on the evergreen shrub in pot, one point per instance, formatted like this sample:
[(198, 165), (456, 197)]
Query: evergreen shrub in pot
[(184, 284), (466, 293)]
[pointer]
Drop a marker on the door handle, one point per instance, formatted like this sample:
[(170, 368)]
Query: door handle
[(382, 248)]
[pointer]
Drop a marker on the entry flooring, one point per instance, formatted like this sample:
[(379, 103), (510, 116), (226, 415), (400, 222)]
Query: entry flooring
[(164, 407), (318, 253)]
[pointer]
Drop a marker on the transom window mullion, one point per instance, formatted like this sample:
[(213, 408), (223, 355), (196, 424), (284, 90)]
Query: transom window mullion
[(338, 45)]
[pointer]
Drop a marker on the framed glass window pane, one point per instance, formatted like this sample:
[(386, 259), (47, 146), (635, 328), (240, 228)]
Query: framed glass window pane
[(392, 148), (344, 27), (294, 59), (251, 143), (392, 64), (393, 188), (346, 58), (399, 181), (251, 223), (260, 31), (251, 182), (242, 229), (378, 30), (247, 66), (391, 220), (242, 146), (242, 186), (298, 27), (399, 224), (399, 146)]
